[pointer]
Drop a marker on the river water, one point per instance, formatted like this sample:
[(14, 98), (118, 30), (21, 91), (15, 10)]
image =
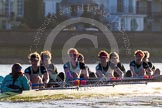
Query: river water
[(5, 69), (147, 100)]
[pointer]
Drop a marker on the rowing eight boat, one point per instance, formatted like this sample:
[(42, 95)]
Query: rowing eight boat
[(152, 88), (104, 88)]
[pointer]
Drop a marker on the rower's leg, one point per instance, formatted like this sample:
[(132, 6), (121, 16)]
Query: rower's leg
[(128, 74), (61, 77), (75, 75), (157, 72), (115, 74), (92, 75), (85, 74), (36, 79)]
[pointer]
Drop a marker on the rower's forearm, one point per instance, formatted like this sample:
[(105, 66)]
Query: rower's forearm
[(119, 72), (46, 78)]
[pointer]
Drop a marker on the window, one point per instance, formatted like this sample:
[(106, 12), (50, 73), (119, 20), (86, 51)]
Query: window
[(149, 8), (20, 7), (8, 7), (137, 7), (120, 6), (130, 6), (134, 24)]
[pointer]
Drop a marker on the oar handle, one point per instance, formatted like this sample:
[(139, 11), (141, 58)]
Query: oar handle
[(81, 81)]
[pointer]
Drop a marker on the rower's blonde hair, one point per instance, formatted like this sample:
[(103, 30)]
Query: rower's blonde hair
[(81, 57), (115, 54), (147, 54), (72, 50), (47, 53)]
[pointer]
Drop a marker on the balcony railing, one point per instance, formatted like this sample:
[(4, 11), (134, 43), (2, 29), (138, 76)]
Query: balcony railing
[(123, 10)]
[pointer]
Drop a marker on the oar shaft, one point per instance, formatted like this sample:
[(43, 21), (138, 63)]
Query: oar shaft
[(82, 82)]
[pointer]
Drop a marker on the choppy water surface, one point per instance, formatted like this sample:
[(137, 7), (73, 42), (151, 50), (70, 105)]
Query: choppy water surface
[(114, 102)]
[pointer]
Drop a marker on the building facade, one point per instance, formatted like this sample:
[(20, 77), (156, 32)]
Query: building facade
[(153, 11), (9, 11), (121, 14), (50, 6), (127, 15)]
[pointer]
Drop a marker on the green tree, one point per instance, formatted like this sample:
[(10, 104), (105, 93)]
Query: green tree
[(33, 13)]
